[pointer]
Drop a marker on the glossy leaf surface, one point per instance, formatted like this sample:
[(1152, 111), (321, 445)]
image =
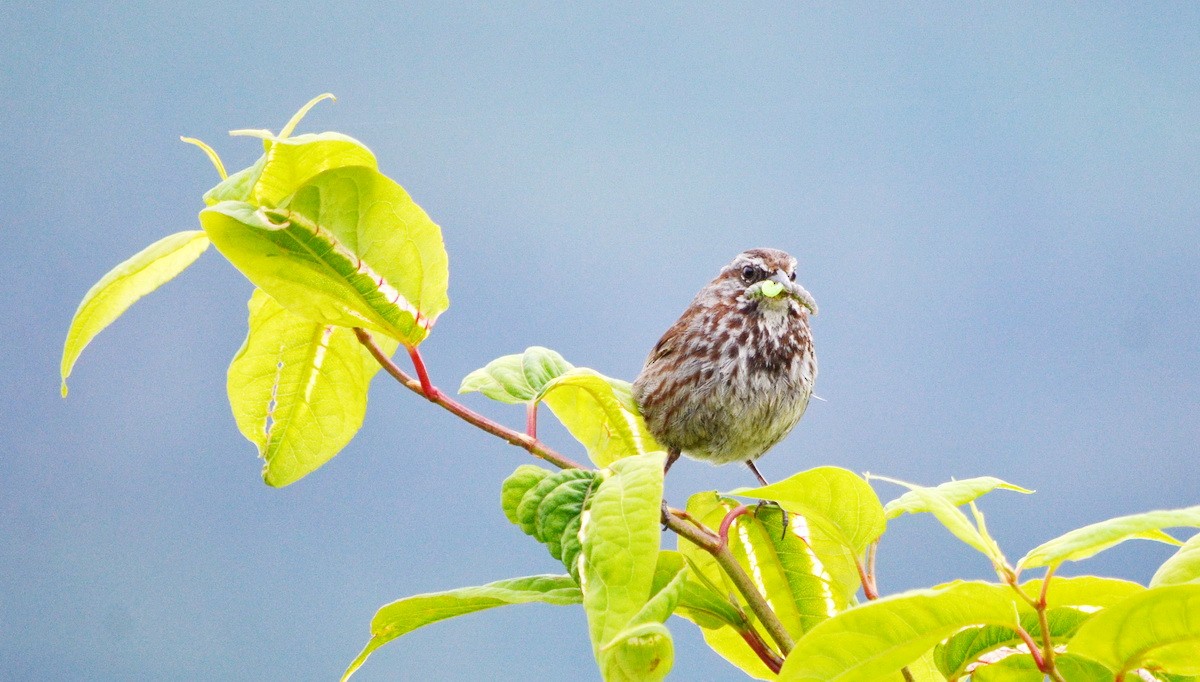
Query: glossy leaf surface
[(403, 616), (122, 286), (298, 389)]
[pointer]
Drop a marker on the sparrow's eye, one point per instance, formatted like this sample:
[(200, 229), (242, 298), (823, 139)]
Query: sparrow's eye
[(748, 273), (792, 277)]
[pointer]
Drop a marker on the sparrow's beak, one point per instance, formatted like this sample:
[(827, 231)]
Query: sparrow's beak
[(794, 290)]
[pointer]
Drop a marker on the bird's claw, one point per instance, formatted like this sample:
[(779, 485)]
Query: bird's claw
[(785, 519)]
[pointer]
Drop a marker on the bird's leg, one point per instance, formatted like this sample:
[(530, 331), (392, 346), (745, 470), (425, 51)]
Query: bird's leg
[(759, 476), (762, 480), (673, 454)]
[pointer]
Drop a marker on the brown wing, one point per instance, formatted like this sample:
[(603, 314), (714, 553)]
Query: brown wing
[(668, 343)]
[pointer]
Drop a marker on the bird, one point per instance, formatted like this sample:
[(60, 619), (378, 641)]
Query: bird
[(734, 374)]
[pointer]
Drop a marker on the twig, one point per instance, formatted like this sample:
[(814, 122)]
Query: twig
[(768, 656), (1034, 651), (864, 577), (534, 446), (687, 529), (1044, 623), (531, 419), (727, 522)]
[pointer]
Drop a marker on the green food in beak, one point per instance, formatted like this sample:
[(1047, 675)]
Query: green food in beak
[(771, 289)]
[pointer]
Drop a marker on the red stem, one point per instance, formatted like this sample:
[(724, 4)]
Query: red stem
[(871, 552), (1034, 651), (869, 590), (768, 657), (427, 386), (531, 419), (534, 446), (726, 522)]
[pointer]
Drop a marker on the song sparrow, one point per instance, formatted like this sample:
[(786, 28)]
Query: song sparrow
[(733, 375)]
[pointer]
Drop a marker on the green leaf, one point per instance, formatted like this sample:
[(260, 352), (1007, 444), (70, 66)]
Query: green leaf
[(1085, 590), (403, 616), (755, 549), (954, 655), (517, 378), (122, 286), (1182, 568), (292, 162), (288, 164), (1090, 540), (641, 653), (957, 493), (644, 649), (527, 509), (236, 187), (921, 670), (519, 482), (1071, 602), (1020, 667), (298, 389), (880, 637), (701, 603), (820, 569), (600, 413), (943, 501), (708, 509), (350, 249), (620, 536), (796, 576), (1158, 629), (829, 495)]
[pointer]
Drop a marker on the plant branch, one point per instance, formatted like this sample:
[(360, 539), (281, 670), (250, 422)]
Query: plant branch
[(427, 386), (768, 656), (685, 528), (864, 576), (531, 419), (1034, 651), (532, 445), (1044, 623), (1043, 655)]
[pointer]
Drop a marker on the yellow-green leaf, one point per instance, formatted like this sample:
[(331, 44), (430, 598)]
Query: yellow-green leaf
[(350, 249), (1157, 629), (1071, 602), (802, 578), (1020, 667), (517, 378), (957, 493), (1082, 543), (878, 638), (403, 616), (600, 413), (620, 535), (943, 501), (298, 389), (1182, 568), (146, 271), (829, 495)]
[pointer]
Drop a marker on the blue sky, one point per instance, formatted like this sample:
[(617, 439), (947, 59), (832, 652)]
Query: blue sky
[(995, 207)]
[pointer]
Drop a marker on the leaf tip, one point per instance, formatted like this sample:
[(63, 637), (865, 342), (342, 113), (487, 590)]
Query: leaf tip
[(63, 389), (210, 152), (299, 115)]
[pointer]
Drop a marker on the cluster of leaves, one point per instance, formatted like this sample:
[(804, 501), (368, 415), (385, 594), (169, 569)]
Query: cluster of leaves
[(348, 268)]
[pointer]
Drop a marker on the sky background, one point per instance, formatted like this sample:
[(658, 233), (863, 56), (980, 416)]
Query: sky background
[(995, 207)]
